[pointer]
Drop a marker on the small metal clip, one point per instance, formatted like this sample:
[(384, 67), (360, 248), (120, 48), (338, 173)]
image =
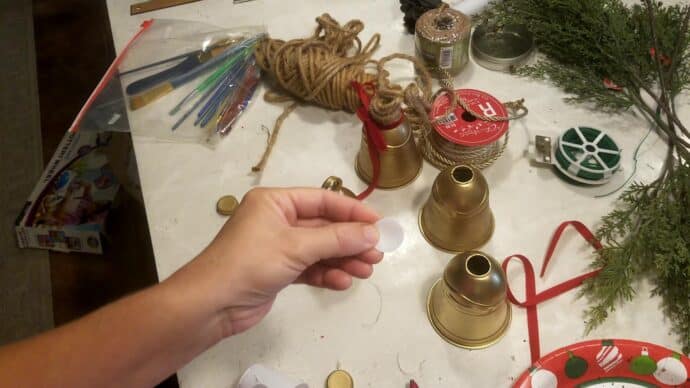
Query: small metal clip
[(544, 149)]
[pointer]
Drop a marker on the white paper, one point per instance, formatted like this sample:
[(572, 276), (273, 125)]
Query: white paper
[(469, 7), (261, 376)]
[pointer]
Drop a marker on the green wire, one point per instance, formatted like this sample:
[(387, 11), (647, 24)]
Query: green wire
[(637, 150), (211, 79)]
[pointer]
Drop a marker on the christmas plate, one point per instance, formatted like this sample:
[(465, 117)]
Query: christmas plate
[(608, 363)]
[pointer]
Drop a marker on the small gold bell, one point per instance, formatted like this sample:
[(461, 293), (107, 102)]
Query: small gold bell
[(400, 161), (468, 305), (333, 183), (457, 217)]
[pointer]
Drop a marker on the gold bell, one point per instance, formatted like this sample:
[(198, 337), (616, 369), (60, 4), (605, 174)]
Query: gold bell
[(457, 217), (333, 183), (400, 162), (468, 306)]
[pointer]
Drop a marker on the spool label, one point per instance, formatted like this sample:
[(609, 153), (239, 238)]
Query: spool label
[(460, 127), (445, 58)]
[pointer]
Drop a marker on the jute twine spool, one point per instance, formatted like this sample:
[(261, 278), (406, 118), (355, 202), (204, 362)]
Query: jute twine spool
[(320, 70), (443, 153), (442, 37)]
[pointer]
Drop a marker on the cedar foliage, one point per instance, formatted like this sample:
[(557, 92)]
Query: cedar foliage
[(643, 51)]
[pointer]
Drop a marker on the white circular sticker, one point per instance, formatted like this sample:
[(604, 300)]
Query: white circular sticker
[(391, 235)]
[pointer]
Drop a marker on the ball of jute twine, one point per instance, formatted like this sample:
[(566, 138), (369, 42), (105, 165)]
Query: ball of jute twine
[(320, 69)]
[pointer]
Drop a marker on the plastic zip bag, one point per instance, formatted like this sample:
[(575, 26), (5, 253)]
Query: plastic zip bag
[(178, 81)]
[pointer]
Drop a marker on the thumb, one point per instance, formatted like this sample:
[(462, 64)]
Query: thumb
[(338, 239)]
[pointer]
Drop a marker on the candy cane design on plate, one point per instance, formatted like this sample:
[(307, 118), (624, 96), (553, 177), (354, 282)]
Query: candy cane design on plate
[(609, 356)]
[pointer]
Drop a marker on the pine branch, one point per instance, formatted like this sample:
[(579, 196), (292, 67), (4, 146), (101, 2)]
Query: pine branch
[(642, 49)]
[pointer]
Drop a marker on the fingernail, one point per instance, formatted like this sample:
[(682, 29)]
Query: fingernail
[(371, 234)]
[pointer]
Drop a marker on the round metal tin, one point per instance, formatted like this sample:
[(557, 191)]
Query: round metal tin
[(501, 49), (460, 127)]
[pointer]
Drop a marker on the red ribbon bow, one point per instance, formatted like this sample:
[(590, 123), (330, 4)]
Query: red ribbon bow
[(375, 139), (532, 299)]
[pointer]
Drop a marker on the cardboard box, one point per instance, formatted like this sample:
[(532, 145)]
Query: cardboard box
[(68, 208)]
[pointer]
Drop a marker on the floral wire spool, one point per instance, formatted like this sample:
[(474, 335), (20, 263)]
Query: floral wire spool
[(442, 37), (587, 155), (460, 137)]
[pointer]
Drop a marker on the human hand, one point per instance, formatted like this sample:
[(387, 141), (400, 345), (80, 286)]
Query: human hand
[(277, 237)]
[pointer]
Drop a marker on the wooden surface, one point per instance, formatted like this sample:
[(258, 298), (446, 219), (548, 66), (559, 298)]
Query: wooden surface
[(74, 48)]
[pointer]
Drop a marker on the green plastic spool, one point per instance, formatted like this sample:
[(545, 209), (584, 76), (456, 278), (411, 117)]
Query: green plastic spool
[(587, 155)]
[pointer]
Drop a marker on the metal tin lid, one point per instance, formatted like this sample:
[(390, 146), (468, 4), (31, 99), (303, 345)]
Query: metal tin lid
[(461, 127), (339, 379), (226, 205), (501, 49)]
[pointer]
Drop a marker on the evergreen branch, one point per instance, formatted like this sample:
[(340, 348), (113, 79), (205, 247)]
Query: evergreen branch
[(643, 48)]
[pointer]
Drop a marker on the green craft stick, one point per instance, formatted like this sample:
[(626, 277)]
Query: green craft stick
[(211, 79)]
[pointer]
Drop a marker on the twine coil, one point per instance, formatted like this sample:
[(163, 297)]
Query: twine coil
[(320, 70), (442, 37), (443, 153)]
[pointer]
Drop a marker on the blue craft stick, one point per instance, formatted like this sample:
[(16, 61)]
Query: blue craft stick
[(228, 84), (188, 76), (218, 100), (210, 81), (227, 79), (213, 95), (191, 110)]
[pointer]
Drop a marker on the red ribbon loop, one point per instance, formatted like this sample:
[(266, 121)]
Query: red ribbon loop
[(375, 139), (532, 298)]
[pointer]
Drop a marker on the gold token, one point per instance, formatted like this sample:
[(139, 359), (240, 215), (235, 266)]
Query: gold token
[(339, 379), (226, 205)]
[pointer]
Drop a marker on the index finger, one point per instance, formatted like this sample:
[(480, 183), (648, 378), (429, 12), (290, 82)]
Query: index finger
[(300, 203)]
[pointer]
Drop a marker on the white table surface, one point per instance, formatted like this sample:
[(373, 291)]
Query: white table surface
[(378, 330)]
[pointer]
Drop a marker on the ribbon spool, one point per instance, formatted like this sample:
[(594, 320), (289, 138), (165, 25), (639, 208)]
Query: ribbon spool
[(587, 155), (442, 37), (458, 137)]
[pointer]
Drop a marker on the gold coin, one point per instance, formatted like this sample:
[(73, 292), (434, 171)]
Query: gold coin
[(226, 205), (339, 379)]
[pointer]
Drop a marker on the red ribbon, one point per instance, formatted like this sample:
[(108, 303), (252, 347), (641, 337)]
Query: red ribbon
[(532, 299), (375, 140)]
